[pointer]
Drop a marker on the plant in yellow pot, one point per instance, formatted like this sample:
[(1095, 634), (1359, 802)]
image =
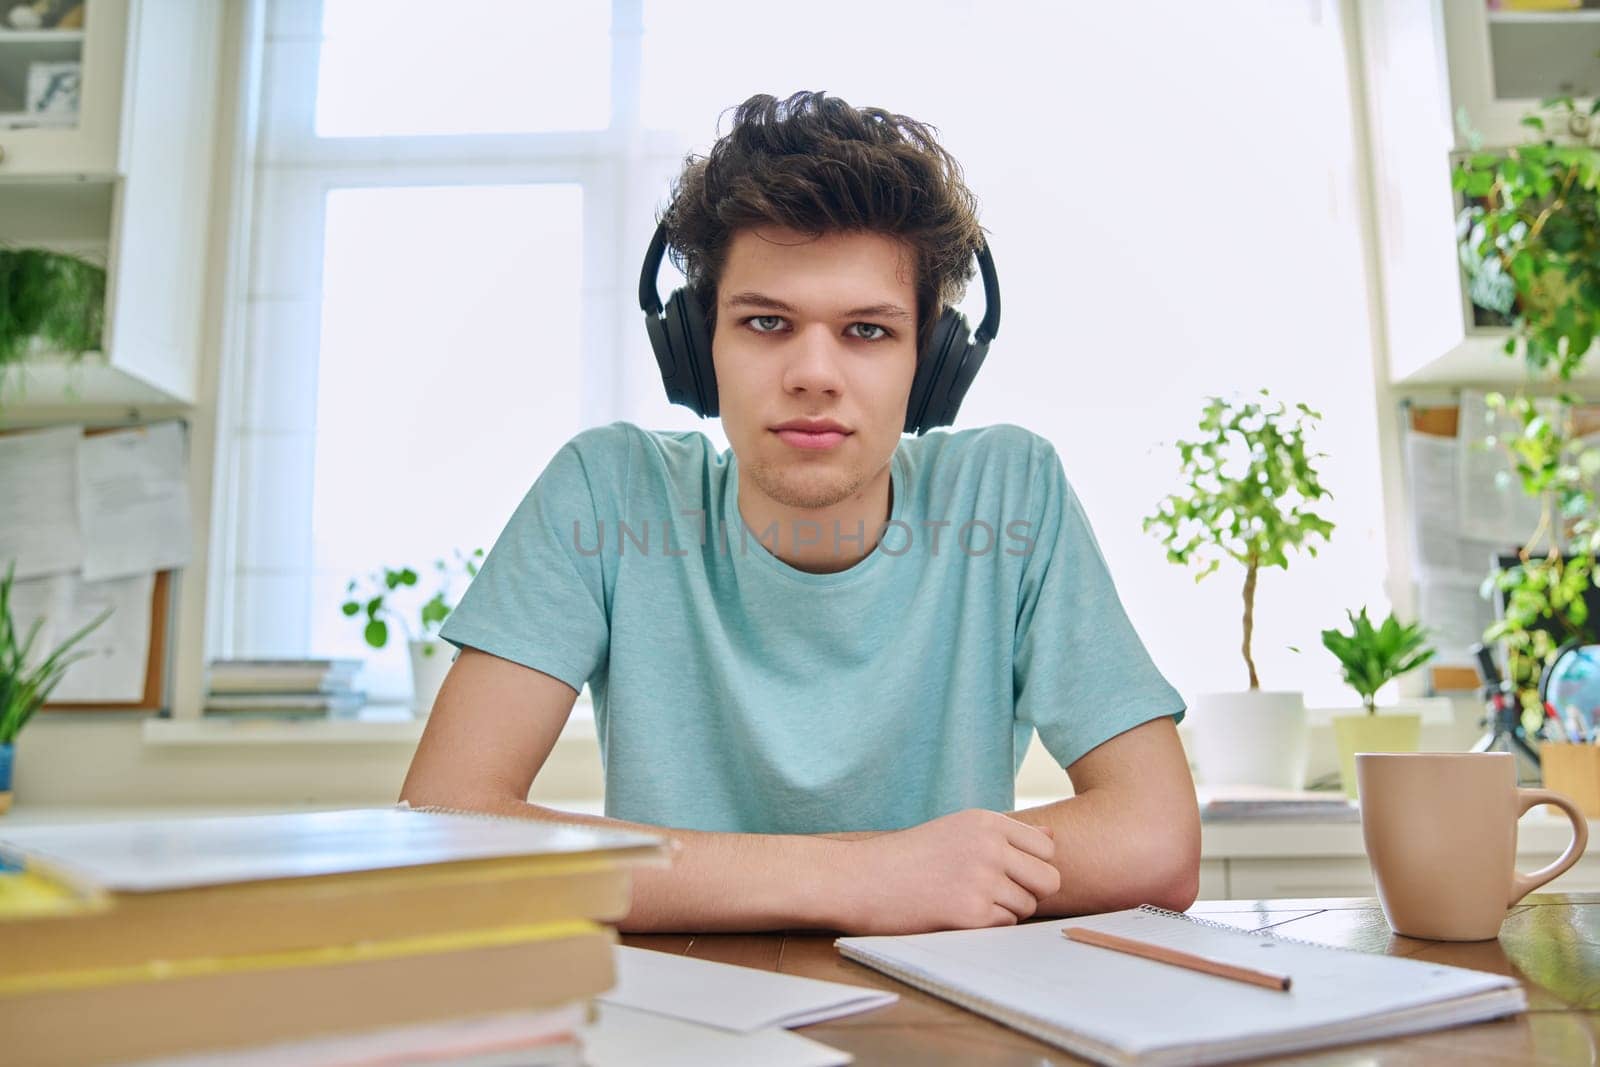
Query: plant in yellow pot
[(1371, 657)]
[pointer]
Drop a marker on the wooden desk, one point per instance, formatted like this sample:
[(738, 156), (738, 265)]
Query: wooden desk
[(1550, 942)]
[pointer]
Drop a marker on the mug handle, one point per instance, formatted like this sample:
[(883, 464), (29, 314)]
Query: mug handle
[(1523, 884)]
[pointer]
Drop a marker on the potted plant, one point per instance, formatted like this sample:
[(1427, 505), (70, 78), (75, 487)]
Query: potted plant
[(1250, 484), (26, 681), (1370, 657), (1529, 241), (50, 301), (372, 599)]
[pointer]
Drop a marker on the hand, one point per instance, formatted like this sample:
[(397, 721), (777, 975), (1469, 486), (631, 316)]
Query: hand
[(971, 869)]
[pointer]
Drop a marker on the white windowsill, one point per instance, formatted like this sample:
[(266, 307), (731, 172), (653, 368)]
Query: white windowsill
[(375, 724)]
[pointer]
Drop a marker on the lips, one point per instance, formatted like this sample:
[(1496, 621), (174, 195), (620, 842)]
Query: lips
[(812, 435)]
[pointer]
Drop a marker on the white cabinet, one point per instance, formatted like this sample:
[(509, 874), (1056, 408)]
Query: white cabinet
[(49, 142), (1265, 860), (1502, 63), (1419, 63), (129, 186)]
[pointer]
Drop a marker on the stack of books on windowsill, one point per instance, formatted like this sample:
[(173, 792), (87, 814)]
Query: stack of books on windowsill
[(283, 688), (1224, 803), (371, 936)]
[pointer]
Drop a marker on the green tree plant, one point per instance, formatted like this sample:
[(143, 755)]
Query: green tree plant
[(372, 598), (26, 684), (1372, 656), (1250, 484)]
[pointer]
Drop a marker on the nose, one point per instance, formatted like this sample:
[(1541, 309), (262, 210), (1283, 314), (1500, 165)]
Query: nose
[(813, 365)]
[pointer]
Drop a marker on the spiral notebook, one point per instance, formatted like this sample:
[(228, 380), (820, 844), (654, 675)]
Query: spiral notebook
[(1115, 1008)]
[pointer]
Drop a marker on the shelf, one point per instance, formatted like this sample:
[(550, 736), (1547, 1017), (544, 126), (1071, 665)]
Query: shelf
[(1552, 18), (90, 382), (1481, 360), (21, 37)]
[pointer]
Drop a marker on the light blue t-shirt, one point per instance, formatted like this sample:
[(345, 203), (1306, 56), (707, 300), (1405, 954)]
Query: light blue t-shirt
[(735, 692)]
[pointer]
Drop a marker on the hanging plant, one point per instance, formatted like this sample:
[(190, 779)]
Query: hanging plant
[(1529, 239), (54, 298)]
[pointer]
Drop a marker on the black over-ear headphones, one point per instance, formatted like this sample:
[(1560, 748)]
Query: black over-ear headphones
[(945, 368)]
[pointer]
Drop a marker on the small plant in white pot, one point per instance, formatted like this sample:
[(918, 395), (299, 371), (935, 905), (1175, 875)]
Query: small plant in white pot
[(372, 599), (1250, 483), (1371, 657)]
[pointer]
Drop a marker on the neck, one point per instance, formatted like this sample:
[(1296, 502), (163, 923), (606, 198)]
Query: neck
[(820, 540)]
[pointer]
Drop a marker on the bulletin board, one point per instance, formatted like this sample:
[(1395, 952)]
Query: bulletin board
[(157, 658), (1443, 422)]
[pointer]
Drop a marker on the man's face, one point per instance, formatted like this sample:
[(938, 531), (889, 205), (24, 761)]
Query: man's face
[(817, 331)]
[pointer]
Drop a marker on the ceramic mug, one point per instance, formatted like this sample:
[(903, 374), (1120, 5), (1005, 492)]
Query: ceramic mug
[(1441, 834)]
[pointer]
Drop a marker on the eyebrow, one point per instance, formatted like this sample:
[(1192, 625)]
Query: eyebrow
[(752, 299)]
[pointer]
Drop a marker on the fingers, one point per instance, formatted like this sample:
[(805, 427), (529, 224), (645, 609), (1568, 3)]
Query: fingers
[(1038, 878), (1034, 840), (999, 916), (1016, 899)]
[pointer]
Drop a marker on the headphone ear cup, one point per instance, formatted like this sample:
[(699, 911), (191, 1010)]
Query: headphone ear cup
[(960, 382), (705, 371), (689, 379), (935, 370), (928, 361)]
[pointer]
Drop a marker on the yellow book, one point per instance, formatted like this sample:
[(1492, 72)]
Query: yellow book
[(161, 1008), (117, 894)]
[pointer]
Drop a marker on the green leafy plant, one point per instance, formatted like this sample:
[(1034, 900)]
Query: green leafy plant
[(1529, 239), (25, 688), (1529, 242), (56, 298), (372, 598), (1372, 656), (1250, 487)]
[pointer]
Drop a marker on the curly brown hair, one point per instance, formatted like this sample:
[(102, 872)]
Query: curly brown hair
[(815, 164)]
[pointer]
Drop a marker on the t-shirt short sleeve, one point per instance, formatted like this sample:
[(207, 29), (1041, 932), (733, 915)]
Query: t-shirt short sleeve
[(539, 598), (1082, 675)]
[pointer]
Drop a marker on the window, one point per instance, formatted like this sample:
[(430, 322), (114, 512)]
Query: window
[(451, 219)]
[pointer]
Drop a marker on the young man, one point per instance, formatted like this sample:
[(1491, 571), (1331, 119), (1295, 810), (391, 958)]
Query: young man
[(808, 658)]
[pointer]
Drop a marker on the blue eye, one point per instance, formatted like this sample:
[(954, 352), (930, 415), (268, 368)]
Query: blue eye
[(769, 323), (879, 336)]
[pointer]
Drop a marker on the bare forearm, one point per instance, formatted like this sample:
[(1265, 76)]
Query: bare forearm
[(1115, 853), (725, 881)]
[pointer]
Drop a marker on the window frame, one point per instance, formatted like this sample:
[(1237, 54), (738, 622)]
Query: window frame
[(267, 431)]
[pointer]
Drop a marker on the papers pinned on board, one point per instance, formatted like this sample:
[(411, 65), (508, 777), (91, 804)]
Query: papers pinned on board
[(118, 650), (89, 521), (38, 482), (133, 501)]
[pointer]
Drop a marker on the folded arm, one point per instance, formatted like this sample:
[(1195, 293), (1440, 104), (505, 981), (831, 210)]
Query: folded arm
[(495, 723), (1131, 833)]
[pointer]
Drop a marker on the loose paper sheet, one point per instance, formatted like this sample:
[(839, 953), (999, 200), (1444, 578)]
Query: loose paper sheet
[(623, 1037), (119, 648), (133, 496), (39, 526), (730, 997), (1492, 505)]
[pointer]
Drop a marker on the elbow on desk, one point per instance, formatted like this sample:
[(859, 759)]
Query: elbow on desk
[(1171, 873)]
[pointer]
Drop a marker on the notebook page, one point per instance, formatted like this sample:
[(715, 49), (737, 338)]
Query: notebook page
[(1138, 1005)]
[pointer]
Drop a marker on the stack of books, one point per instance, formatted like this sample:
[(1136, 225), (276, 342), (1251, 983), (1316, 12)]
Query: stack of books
[(1225, 803), (282, 688), (330, 937)]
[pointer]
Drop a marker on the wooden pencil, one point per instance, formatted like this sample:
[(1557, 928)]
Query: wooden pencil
[(1162, 954)]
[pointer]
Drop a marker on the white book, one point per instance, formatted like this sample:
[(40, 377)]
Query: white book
[(1115, 1008), (152, 855)]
